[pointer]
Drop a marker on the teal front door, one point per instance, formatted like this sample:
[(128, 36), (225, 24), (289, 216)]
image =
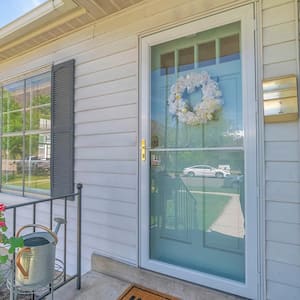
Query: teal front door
[(198, 157)]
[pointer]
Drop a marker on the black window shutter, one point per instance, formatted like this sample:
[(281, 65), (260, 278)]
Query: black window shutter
[(62, 130)]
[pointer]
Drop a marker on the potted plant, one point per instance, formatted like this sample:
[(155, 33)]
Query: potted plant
[(8, 245)]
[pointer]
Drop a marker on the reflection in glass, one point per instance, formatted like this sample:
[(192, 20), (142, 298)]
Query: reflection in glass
[(167, 63), (207, 54), (12, 164), (197, 216), (197, 171), (220, 57), (38, 109), (13, 107), (37, 162), (29, 170), (230, 48), (186, 59)]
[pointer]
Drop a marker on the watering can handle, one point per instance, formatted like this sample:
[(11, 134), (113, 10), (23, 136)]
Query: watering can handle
[(18, 262), (38, 226)]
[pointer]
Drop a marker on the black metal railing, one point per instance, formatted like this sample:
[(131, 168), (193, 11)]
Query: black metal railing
[(75, 198)]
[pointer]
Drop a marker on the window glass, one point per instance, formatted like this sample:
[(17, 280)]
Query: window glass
[(186, 59), (13, 107), (37, 163), (26, 135), (197, 213), (38, 103), (226, 127), (230, 48), (167, 63), (207, 54), (12, 163)]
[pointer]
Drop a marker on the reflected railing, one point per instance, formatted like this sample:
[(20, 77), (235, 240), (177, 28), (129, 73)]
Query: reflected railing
[(177, 211)]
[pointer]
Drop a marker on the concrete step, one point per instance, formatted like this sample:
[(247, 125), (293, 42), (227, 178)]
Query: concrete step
[(94, 286), (161, 283)]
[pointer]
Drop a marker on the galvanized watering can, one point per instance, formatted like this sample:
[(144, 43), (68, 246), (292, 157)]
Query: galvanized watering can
[(35, 262)]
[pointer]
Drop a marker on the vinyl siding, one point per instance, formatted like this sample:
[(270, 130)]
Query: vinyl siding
[(106, 118), (282, 166)]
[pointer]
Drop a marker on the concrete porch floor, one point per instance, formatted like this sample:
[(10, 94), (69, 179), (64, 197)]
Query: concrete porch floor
[(95, 286), (109, 279)]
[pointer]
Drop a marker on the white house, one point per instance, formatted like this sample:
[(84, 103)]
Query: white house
[(141, 102)]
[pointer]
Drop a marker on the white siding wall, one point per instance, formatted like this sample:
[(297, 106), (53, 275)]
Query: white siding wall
[(282, 166), (106, 119), (106, 104)]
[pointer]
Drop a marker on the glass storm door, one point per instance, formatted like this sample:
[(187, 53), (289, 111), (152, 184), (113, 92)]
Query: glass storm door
[(197, 181)]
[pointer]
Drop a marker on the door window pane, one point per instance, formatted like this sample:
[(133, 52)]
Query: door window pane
[(197, 172), (186, 59), (207, 54), (226, 127), (230, 48), (197, 211), (167, 63)]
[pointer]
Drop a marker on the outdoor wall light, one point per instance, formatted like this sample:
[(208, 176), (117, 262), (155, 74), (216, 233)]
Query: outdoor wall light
[(280, 99)]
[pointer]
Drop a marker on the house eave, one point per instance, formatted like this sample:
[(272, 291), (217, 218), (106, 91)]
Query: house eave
[(21, 24), (51, 21)]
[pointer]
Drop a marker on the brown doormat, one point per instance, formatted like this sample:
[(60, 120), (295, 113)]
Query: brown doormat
[(135, 292)]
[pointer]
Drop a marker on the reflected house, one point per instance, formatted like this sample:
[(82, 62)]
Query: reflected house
[(44, 151), (211, 197)]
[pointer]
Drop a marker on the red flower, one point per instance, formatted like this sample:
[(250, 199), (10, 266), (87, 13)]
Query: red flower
[(2, 207), (2, 224)]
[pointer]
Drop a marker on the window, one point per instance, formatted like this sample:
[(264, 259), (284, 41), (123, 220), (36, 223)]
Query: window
[(207, 54), (26, 135), (37, 133)]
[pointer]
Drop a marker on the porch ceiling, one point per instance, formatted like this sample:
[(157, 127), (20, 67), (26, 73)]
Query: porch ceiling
[(62, 20)]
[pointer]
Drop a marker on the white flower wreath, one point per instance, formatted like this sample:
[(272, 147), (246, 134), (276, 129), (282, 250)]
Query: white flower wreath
[(201, 112)]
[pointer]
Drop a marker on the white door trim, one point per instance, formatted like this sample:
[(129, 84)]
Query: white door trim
[(245, 16)]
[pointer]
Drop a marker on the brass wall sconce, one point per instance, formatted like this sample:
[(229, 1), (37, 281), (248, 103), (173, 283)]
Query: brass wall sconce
[(280, 99)]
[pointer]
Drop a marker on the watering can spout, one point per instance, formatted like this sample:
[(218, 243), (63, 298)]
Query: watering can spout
[(59, 222)]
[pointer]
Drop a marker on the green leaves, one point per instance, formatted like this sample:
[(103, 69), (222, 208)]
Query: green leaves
[(11, 243), (16, 242), (3, 259)]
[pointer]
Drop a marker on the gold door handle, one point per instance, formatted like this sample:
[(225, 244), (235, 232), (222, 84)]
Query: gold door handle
[(143, 149)]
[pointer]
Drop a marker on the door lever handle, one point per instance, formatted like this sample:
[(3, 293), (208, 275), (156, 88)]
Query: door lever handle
[(143, 149)]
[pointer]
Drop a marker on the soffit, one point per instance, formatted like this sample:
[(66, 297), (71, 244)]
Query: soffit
[(69, 17)]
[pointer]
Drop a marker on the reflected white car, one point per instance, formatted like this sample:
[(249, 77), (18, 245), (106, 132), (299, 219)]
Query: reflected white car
[(205, 170)]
